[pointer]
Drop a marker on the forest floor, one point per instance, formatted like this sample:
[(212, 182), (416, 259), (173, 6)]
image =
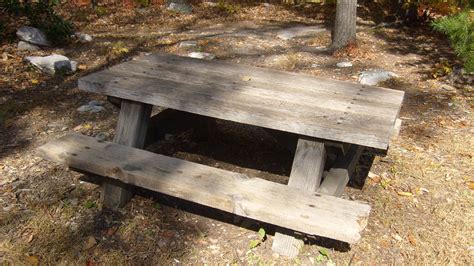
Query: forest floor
[(421, 192)]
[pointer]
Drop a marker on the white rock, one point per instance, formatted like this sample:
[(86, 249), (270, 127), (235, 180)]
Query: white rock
[(32, 35), (90, 108), (82, 37), (373, 77), (52, 63), (299, 31), (25, 46), (180, 8), (344, 64), (201, 55), (188, 44)]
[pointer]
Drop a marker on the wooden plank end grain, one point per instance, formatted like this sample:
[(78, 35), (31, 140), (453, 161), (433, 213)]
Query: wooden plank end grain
[(236, 193)]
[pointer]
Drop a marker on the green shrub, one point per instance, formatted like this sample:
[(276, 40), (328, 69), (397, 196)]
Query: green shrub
[(41, 15), (460, 30)]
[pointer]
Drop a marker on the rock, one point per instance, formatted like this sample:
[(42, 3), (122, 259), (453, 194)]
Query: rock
[(32, 35), (201, 55), (188, 44), (447, 87), (180, 7), (91, 107), (82, 37), (373, 77), (25, 46), (101, 136), (344, 64), (299, 31), (52, 63)]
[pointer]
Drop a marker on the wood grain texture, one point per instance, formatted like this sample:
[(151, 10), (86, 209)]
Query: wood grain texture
[(306, 174), (301, 104), (232, 192), (131, 131)]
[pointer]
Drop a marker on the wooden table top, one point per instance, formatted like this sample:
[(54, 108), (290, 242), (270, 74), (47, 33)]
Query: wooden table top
[(297, 103)]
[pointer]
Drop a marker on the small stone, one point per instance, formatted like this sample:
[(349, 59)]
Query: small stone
[(101, 136), (373, 77), (25, 46), (188, 44), (94, 103), (447, 87), (32, 35), (82, 37), (344, 64), (201, 55)]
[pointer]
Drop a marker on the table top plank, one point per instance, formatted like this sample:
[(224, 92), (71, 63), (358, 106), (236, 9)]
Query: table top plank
[(301, 104)]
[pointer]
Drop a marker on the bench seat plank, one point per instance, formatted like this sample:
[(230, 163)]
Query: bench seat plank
[(236, 193), (301, 104)]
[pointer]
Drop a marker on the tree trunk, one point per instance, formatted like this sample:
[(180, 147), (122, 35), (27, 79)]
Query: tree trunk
[(345, 26)]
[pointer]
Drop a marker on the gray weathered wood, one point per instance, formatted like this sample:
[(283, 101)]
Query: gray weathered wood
[(338, 177), (131, 131), (232, 192), (300, 104), (306, 174)]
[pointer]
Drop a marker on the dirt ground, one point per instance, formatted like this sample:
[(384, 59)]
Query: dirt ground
[(421, 192)]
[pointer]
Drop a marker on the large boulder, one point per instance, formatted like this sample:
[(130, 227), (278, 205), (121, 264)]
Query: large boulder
[(300, 31), (373, 77), (32, 35), (52, 63), (201, 55), (180, 6)]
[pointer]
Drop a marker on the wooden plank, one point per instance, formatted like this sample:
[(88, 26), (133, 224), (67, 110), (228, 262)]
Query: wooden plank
[(308, 165), (300, 104), (131, 131), (232, 192), (306, 174), (338, 177)]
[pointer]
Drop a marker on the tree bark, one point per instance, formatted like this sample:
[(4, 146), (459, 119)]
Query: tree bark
[(345, 25)]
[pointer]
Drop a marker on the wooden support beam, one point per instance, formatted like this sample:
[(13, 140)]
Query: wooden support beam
[(306, 174), (338, 177), (236, 193), (131, 131)]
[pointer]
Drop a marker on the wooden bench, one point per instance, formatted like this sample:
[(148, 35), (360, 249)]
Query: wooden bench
[(322, 112)]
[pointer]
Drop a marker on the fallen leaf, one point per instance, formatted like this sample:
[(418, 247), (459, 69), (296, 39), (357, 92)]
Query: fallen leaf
[(33, 260), (471, 184), (403, 193), (412, 239), (34, 81), (30, 238), (77, 128), (82, 67), (90, 242)]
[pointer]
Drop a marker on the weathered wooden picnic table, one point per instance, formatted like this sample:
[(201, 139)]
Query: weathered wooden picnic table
[(321, 111)]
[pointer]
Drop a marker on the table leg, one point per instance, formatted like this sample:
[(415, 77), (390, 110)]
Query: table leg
[(131, 131), (306, 174)]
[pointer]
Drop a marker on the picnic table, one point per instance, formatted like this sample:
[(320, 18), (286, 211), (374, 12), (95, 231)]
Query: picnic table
[(322, 112)]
